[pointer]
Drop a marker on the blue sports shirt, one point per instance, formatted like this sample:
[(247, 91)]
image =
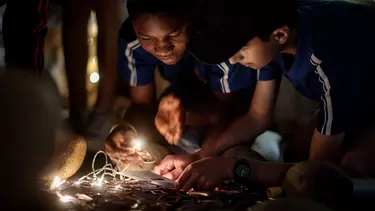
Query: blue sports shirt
[(335, 63), (137, 67)]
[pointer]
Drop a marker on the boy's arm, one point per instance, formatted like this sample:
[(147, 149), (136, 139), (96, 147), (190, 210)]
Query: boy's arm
[(325, 147), (259, 116), (332, 120), (137, 68), (247, 127), (335, 112)]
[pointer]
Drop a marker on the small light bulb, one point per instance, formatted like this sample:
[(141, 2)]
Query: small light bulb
[(65, 198), (137, 144), (99, 182), (94, 77), (56, 183)]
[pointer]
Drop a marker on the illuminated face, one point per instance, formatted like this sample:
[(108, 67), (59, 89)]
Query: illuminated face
[(161, 36), (258, 53), (255, 54)]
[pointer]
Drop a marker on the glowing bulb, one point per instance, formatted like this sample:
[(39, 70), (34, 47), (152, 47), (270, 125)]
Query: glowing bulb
[(137, 144), (99, 182), (94, 77), (84, 197), (65, 198), (56, 183)]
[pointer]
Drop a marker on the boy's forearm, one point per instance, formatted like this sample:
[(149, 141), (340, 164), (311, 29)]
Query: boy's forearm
[(326, 147), (268, 174), (243, 130)]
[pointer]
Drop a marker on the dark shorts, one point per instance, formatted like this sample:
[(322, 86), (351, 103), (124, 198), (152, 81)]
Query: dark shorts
[(24, 29)]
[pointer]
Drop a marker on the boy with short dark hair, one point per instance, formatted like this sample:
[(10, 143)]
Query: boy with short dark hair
[(326, 50), (156, 35)]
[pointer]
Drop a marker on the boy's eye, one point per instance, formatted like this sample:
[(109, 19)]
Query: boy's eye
[(145, 38), (175, 34)]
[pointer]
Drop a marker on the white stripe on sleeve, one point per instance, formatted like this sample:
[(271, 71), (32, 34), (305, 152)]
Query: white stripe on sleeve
[(327, 101), (224, 80), (131, 62)]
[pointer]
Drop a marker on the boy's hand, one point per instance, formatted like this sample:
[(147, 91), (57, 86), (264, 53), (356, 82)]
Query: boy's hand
[(170, 118), (206, 173), (172, 166), (119, 145)]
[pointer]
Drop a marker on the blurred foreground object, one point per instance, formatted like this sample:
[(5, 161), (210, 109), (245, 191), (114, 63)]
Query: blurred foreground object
[(30, 116), (320, 181)]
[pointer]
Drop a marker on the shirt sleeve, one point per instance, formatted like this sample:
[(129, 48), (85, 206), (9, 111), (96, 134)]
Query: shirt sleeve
[(334, 105), (134, 65), (226, 77), (201, 71), (216, 76), (270, 72)]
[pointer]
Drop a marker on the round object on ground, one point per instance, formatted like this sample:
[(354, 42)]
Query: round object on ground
[(321, 181), (289, 204), (66, 161)]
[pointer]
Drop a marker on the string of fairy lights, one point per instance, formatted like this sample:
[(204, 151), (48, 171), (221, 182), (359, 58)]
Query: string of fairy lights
[(108, 188), (107, 178)]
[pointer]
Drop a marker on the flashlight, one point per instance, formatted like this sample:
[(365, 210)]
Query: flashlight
[(138, 144)]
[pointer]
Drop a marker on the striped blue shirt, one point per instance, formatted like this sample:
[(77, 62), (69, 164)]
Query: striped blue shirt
[(137, 67), (335, 63)]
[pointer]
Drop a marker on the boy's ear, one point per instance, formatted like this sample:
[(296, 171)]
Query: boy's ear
[(281, 35)]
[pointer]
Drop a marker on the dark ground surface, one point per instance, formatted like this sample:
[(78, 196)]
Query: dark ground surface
[(240, 201), (359, 203)]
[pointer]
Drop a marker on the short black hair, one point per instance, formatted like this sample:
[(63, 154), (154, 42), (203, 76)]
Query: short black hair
[(278, 13), (181, 10), (227, 25)]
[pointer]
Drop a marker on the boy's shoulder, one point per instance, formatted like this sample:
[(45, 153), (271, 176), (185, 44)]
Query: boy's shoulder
[(337, 27)]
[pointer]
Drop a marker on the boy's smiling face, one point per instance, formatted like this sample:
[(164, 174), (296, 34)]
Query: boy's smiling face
[(161, 36)]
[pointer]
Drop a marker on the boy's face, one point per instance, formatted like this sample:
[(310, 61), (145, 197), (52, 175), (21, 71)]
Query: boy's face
[(161, 36), (258, 53)]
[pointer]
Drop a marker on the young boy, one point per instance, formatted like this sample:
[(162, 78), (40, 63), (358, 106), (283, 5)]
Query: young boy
[(326, 51), (156, 35)]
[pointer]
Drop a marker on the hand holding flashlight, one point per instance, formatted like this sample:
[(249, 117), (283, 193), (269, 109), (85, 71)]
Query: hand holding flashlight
[(121, 145), (138, 147)]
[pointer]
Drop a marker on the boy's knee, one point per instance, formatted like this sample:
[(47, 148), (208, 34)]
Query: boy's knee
[(357, 164)]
